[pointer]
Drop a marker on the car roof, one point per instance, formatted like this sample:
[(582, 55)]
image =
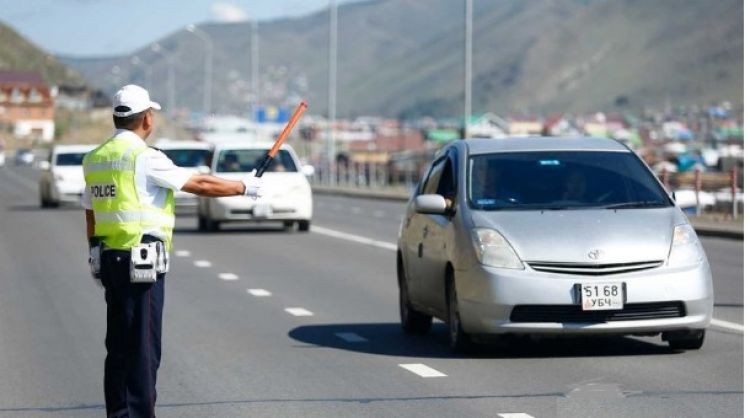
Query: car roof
[(477, 146), (168, 144), (62, 149), (242, 146)]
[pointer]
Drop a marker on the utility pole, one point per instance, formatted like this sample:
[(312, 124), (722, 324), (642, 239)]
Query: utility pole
[(332, 79), (171, 100), (255, 66), (468, 66), (208, 66)]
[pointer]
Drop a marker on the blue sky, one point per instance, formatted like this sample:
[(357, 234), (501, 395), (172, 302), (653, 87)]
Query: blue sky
[(109, 27)]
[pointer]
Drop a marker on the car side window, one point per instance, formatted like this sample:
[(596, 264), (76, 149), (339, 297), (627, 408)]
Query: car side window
[(433, 179), (447, 184)]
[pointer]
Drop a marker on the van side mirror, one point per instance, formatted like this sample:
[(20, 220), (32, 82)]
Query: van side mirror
[(431, 204), (204, 169), (308, 170)]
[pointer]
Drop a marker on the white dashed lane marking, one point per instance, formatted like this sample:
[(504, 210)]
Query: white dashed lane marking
[(728, 325), (182, 253), (259, 292), (422, 370), (228, 276), (299, 311), (354, 238), (202, 263), (514, 415), (351, 337)]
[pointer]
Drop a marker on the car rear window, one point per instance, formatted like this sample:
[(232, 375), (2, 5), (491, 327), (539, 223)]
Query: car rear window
[(72, 158), (188, 158), (245, 160), (562, 180)]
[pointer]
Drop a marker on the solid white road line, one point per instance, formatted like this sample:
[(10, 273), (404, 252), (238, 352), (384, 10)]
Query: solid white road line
[(228, 276), (354, 238), (728, 325), (351, 337), (182, 253), (514, 415), (259, 292), (299, 311), (422, 370), (202, 263)]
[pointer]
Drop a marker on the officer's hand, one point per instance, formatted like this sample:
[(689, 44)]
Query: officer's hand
[(253, 185)]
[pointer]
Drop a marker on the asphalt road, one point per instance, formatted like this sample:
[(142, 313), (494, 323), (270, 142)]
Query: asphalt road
[(264, 323)]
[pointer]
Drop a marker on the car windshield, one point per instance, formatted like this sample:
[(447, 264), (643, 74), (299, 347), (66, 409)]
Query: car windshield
[(72, 158), (562, 180), (245, 160), (188, 158)]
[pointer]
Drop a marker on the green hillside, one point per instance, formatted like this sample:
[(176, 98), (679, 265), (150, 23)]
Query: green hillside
[(17, 53)]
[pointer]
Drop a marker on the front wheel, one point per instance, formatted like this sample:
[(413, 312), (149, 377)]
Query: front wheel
[(460, 341), (412, 321)]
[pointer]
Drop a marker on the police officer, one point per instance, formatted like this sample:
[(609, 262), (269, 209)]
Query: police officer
[(130, 205)]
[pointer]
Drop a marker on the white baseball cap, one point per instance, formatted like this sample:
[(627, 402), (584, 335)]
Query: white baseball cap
[(132, 99)]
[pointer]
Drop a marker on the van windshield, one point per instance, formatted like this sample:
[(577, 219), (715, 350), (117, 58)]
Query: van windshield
[(561, 180), (245, 160)]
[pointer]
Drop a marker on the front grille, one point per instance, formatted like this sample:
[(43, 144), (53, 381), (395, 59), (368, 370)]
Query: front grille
[(574, 313), (591, 269)]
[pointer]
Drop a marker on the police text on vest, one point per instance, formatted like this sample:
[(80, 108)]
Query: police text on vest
[(104, 191)]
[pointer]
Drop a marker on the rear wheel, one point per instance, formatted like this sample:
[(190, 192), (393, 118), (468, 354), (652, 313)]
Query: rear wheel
[(202, 226), (412, 322), (460, 341), (304, 226), (691, 341)]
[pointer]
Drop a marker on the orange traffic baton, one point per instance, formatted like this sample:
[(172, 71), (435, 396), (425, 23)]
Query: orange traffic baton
[(280, 140)]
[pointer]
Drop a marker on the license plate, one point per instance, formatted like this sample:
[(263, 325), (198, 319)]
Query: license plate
[(602, 296), (262, 211)]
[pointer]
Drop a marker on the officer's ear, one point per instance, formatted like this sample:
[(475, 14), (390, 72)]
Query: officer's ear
[(148, 120)]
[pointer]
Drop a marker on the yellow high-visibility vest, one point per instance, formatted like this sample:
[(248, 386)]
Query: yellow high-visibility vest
[(120, 216)]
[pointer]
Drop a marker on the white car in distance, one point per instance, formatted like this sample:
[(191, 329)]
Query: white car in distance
[(194, 155), (287, 195), (62, 175)]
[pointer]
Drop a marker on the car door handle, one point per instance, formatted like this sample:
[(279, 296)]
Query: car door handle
[(420, 250)]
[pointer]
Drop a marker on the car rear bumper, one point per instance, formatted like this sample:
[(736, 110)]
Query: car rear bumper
[(660, 299)]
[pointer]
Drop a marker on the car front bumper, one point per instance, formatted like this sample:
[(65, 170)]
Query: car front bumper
[(242, 208), (488, 296)]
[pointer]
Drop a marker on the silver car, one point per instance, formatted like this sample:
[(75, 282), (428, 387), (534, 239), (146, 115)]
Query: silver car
[(550, 236)]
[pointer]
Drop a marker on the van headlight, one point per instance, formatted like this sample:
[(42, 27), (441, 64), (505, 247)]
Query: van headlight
[(494, 250), (686, 248)]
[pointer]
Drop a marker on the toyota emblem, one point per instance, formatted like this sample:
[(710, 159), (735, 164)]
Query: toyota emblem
[(595, 254)]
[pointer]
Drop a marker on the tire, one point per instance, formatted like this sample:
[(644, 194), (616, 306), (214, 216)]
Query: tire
[(459, 341), (202, 226), (303, 226), (693, 342), (211, 225), (412, 322)]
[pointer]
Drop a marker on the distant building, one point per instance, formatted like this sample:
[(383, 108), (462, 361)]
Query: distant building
[(27, 108)]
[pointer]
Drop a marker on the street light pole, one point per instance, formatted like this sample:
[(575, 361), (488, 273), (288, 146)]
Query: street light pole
[(254, 65), (332, 78), (171, 100), (208, 66), (468, 51)]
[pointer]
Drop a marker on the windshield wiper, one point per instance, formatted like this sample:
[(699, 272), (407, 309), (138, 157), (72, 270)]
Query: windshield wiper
[(636, 205)]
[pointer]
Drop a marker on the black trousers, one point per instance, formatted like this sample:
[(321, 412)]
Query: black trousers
[(134, 319)]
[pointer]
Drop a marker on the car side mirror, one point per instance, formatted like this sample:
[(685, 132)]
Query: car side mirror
[(431, 204), (44, 165), (308, 170), (204, 169)]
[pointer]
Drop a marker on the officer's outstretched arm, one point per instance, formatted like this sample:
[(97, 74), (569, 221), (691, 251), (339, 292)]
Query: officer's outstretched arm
[(211, 186)]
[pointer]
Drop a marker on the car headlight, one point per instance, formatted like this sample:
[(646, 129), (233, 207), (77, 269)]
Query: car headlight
[(686, 248), (494, 250)]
